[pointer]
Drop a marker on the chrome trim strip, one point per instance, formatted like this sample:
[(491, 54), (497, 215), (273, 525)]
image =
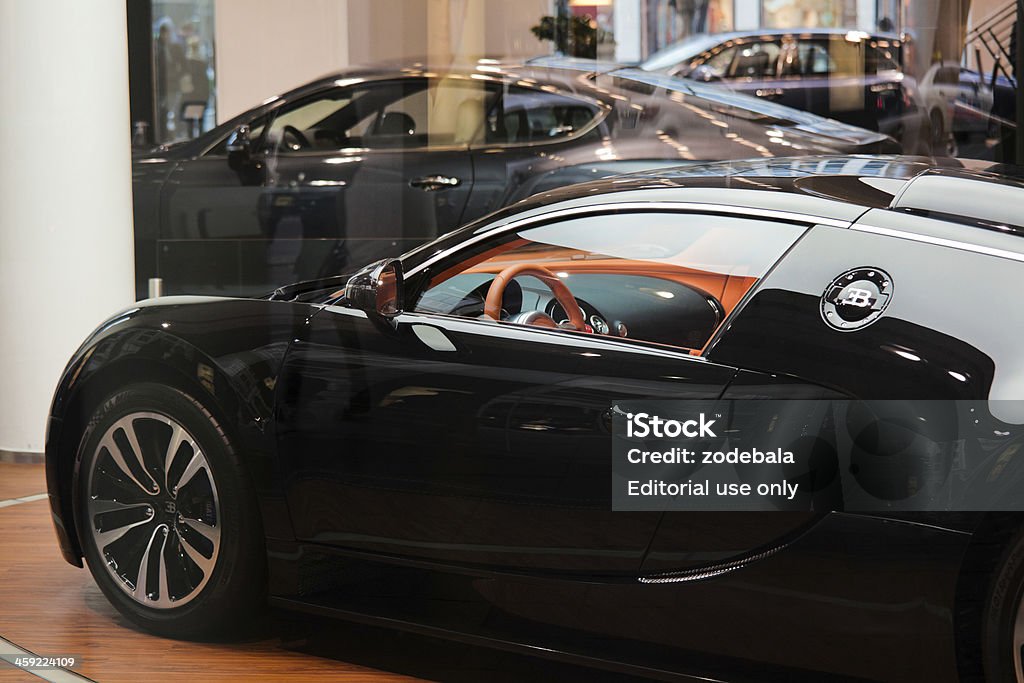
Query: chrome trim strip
[(939, 241), (709, 572), (688, 207)]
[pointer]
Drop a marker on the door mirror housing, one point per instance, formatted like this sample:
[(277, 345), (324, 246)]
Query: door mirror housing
[(378, 288), (239, 147)]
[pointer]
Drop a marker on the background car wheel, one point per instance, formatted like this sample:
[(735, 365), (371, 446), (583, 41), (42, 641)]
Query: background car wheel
[(166, 515), (1002, 633)]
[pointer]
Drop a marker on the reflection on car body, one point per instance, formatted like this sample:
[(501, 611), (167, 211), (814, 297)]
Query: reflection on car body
[(370, 162)]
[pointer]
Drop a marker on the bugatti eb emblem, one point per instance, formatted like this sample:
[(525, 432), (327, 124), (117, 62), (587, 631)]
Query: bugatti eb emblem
[(856, 298)]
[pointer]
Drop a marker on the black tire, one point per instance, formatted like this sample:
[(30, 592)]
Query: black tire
[(1003, 600), (942, 144), (233, 589)]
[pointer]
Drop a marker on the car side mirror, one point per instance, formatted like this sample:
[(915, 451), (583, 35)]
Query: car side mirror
[(239, 148), (378, 288)]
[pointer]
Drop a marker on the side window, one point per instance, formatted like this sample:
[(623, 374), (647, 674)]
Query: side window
[(316, 122), (523, 115), (441, 112), (948, 75), (812, 58), (666, 278), (717, 65), (755, 60), (880, 57), (413, 112)]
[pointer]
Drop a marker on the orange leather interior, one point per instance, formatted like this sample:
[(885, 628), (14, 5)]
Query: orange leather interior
[(727, 289)]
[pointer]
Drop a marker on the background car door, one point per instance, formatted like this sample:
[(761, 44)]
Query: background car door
[(528, 131), (337, 178)]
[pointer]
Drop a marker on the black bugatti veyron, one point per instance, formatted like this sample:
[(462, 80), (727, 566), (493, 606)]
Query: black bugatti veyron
[(426, 443)]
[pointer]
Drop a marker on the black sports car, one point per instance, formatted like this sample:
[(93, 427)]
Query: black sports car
[(371, 162), (426, 444)]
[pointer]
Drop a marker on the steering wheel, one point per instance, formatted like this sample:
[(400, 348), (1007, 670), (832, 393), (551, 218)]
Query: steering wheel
[(299, 136), (492, 304)]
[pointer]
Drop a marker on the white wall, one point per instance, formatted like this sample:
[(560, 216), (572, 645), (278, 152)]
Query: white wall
[(508, 27), (66, 238), (265, 47), (629, 20)]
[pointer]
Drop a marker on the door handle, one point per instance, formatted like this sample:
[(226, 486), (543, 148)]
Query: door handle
[(433, 183)]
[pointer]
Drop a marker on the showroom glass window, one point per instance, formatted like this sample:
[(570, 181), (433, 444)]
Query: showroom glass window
[(669, 278)]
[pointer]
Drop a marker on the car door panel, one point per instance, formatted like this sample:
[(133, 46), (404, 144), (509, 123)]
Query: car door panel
[(488, 444), (688, 540)]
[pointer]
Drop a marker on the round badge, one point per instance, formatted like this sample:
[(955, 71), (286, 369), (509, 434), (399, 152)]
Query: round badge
[(856, 299)]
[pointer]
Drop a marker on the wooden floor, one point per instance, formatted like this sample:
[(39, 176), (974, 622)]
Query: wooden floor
[(51, 608)]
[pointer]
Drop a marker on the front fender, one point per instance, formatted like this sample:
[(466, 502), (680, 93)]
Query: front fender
[(224, 352)]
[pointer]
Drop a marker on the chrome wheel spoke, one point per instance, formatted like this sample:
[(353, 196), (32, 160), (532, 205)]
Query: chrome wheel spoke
[(142, 592), (99, 506), (118, 457), (164, 599), (198, 462), (207, 531), (204, 563), (107, 536), (133, 441), (178, 437), (142, 580)]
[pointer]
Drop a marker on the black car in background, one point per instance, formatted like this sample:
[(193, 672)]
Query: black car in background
[(850, 76), (371, 162), (427, 444)]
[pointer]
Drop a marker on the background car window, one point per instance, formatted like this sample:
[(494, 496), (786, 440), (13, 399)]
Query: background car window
[(881, 57), (948, 75), (812, 58), (315, 119), (756, 60), (662, 278), (413, 112), (717, 66), (432, 113), (523, 115)]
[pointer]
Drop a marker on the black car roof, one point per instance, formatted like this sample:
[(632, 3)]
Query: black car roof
[(836, 187)]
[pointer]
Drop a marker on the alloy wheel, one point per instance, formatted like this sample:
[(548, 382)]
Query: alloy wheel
[(153, 510)]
